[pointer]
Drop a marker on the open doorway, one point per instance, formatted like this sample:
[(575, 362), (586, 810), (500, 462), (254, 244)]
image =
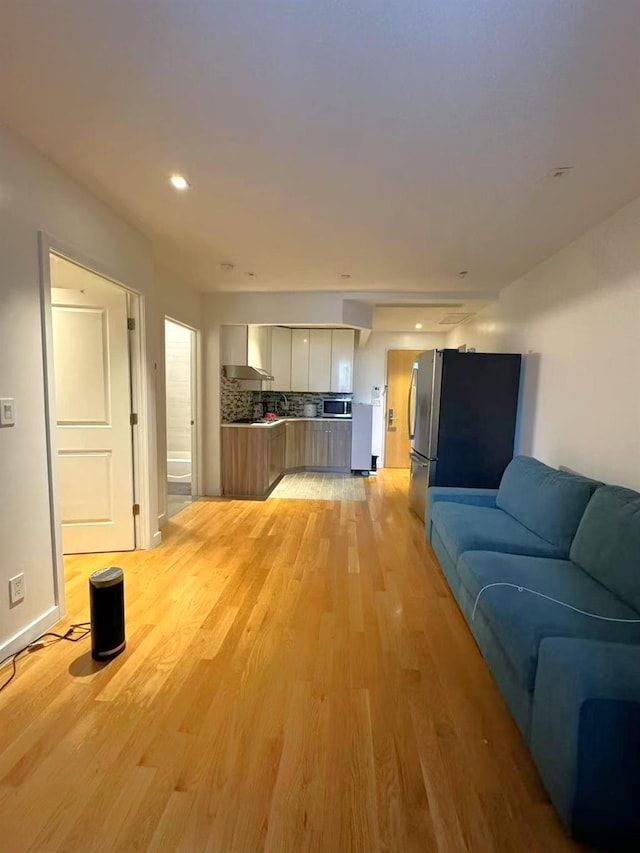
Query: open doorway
[(180, 379), (397, 442), (92, 401)]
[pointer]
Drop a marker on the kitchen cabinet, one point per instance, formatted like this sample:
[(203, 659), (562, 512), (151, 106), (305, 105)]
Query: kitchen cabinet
[(320, 359), (281, 358), (253, 459), (296, 436), (339, 445), (342, 349), (259, 350), (233, 344), (277, 453), (300, 359), (316, 449), (318, 444)]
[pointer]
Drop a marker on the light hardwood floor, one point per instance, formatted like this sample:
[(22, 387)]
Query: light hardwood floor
[(297, 678)]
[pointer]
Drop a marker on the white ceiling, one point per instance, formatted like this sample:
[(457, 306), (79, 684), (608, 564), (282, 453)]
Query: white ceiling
[(435, 316), (400, 142)]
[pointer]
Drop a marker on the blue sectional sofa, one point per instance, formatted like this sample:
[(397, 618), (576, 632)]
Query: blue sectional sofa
[(570, 680)]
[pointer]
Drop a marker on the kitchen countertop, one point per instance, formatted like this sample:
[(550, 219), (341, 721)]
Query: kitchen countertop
[(270, 424)]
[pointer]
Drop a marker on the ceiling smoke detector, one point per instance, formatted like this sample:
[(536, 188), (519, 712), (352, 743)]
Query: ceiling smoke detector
[(227, 267), (463, 273), (345, 275), (454, 319), (251, 274)]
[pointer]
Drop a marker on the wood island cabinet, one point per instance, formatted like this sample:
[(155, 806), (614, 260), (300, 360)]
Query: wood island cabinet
[(296, 434), (254, 458)]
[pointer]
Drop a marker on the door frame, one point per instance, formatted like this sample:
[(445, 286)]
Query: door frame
[(144, 524), (386, 397), (196, 411)]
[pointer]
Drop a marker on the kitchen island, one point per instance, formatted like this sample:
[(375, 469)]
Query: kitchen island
[(256, 455)]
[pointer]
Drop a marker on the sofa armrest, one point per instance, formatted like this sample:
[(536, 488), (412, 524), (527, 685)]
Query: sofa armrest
[(476, 497), (585, 737)]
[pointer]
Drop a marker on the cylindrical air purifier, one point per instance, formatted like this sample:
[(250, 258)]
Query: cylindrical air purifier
[(106, 597)]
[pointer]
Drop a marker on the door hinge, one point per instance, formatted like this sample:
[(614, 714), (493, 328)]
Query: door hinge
[(133, 420), (136, 509), (131, 324)]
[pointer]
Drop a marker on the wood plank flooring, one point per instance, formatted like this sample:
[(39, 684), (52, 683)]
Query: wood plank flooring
[(297, 678)]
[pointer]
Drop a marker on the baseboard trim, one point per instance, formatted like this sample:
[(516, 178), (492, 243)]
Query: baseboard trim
[(30, 633), (157, 539), (162, 520)]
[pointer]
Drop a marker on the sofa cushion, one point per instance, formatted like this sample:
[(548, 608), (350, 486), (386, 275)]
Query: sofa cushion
[(478, 528), (607, 544), (520, 620), (548, 502)]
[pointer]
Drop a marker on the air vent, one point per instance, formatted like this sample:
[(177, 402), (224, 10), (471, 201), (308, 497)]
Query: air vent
[(419, 304), (454, 319)]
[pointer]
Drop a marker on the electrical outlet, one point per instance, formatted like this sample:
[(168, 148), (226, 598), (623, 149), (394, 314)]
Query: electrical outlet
[(16, 589)]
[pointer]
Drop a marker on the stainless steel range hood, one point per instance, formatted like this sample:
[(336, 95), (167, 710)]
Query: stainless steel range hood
[(242, 371)]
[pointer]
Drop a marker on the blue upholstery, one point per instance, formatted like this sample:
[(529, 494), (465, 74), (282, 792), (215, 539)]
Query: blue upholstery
[(519, 699), (607, 544), (586, 737), (521, 620), (474, 497), (571, 681), (478, 528), (548, 502)]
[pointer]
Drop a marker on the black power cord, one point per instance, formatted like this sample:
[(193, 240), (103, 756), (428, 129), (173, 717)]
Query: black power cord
[(75, 633)]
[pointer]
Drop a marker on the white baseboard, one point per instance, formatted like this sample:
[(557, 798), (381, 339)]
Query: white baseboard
[(30, 633), (162, 519), (157, 539)]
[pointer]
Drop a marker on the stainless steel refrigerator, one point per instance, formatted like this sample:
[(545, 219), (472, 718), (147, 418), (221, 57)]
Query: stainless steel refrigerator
[(462, 420)]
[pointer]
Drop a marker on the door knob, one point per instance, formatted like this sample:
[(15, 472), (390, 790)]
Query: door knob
[(391, 417)]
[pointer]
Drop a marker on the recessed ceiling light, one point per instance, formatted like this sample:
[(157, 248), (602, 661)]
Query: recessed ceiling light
[(227, 267), (179, 182), (251, 274), (418, 325), (345, 275), (462, 273)]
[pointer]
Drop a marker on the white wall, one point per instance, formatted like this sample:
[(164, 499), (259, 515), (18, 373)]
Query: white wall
[(370, 368), (577, 319), (178, 389), (176, 300), (34, 196)]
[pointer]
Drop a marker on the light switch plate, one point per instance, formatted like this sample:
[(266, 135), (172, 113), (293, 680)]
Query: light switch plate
[(7, 412)]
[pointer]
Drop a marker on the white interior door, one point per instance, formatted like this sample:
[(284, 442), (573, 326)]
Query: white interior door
[(93, 407)]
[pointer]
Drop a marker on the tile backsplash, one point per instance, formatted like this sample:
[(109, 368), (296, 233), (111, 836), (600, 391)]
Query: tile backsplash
[(236, 403), (275, 401)]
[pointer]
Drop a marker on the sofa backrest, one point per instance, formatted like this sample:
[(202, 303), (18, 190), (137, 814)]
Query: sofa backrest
[(546, 501), (607, 544)]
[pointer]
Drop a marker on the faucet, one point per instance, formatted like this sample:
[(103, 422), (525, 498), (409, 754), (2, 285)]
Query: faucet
[(285, 405)]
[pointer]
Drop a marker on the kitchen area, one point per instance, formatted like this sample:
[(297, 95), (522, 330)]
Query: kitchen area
[(287, 408)]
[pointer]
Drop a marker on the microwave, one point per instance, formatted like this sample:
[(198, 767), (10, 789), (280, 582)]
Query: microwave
[(340, 408)]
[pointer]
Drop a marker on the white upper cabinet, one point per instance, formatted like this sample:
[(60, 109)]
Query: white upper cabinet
[(342, 347), (259, 347), (299, 359), (233, 345), (320, 360), (281, 359)]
